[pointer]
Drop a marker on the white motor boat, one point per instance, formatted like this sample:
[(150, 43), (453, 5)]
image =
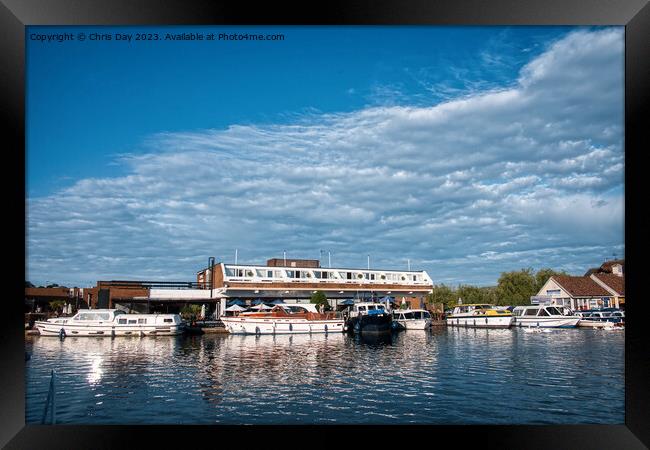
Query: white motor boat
[(542, 317), (285, 319), (412, 319), (111, 322), (479, 316)]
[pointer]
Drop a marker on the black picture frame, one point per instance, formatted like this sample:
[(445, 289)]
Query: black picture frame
[(634, 15)]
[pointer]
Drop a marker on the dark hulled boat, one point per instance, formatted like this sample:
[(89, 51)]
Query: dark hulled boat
[(369, 318)]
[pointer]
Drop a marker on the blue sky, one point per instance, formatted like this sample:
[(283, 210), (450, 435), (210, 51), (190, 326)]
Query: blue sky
[(468, 150)]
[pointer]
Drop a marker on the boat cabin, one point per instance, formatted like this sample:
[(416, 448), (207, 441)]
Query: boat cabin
[(464, 309), (367, 308), (411, 314), (536, 311)]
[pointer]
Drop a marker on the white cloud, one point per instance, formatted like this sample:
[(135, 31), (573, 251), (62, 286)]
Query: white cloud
[(529, 169)]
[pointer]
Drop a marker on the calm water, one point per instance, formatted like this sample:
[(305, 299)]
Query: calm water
[(443, 376)]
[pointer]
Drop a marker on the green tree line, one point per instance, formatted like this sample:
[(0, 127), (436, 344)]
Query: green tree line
[(513, 288)]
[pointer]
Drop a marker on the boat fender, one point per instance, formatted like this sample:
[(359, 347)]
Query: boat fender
[(290, 327), (257, 330), (141, 333), (112, 332), (62, 333), (325, 328)]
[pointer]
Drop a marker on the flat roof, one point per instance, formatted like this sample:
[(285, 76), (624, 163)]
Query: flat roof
[(316, 268)]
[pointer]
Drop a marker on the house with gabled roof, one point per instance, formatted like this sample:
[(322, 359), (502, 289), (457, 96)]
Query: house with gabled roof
[(614, 284), (600, 287)]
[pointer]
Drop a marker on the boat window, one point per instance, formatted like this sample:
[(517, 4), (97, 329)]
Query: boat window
[(408, 315), (121, 321), (531, 312), (362, 308), (142, 320), (133, 321), (516, 312), (426, 315), (118, 312), (553, 311), (168, 320), (371, 307), (543, 312)]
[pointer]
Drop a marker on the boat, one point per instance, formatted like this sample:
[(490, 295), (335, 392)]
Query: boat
[(369, 318), (411, 319), (479, 316), (543, 317), (285, 319), (601, 318), (111, 322)]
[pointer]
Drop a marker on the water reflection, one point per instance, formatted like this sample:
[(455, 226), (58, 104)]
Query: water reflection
[(408, 377)]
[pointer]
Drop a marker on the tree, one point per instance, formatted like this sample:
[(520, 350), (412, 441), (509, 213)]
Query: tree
[(516, 288), (190, 312), (319, 298), (542, 276), (56, 305), (28, 284), (442, 294)]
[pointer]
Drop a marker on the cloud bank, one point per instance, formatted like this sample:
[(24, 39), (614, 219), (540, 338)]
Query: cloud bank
[(527, 175)]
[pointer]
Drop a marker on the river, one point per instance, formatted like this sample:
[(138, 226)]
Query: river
[(439, 376)]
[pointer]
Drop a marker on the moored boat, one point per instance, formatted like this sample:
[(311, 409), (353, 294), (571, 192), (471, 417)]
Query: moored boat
[(601, 318), (285, 319), (412, 319), (542, 317), (369, 318), (479, 316), (111, 322)]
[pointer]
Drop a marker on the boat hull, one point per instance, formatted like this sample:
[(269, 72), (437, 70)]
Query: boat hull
[(595, 324), (238, 325), (370, 324), (414, 324), (54, 329), (481, 321), (546, 322)]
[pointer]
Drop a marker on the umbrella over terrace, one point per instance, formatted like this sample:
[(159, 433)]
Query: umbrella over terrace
[(277, 301), (236, 308), (257, 301), (262, 306)]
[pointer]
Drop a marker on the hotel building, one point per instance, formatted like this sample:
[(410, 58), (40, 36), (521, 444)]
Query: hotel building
[(296, 280)]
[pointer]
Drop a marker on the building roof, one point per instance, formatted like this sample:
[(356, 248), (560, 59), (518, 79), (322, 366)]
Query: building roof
[(580, 286), (615, 282), (607, 265), (590, 271)]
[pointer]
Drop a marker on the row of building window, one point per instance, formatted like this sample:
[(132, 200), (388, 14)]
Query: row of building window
[(319, 275)]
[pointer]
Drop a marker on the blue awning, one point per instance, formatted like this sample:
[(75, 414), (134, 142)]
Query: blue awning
[(346, 302), (236, 301)]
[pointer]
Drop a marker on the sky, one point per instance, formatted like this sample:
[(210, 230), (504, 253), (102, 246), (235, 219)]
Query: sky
[(462, 151)]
